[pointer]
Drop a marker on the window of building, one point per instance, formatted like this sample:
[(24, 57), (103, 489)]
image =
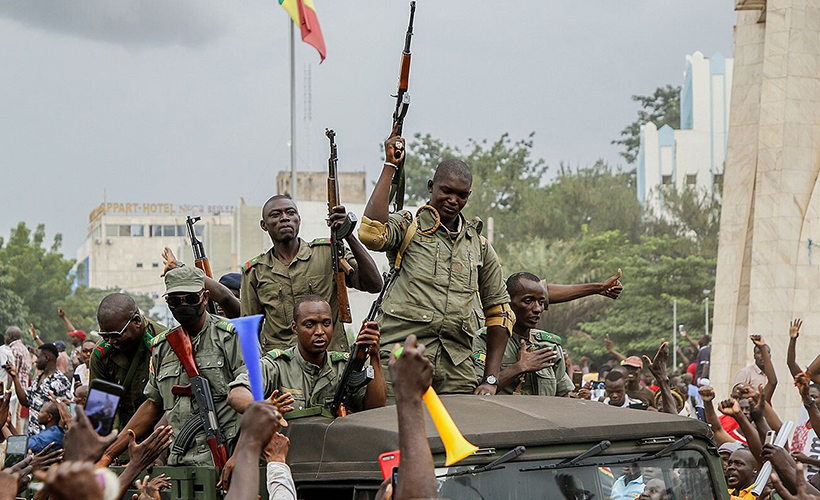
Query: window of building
[(112, 230), (125, 230), (155, 264), (199, 230), (139, 265), (692, 179), (138, 230), (666, 180), (181, 231), (169, 230)]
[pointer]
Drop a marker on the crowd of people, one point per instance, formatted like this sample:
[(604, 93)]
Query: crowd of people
[(464, 328)]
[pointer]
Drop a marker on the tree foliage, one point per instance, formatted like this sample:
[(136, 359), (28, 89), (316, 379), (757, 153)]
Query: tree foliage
[(661, 108)]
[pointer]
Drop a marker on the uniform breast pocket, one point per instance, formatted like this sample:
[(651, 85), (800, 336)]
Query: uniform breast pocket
[(269, 292), (167, 376), (212, 368), (321, 284), (545, 382)]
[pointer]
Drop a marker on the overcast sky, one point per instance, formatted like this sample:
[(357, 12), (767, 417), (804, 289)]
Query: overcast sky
[(188, 101)]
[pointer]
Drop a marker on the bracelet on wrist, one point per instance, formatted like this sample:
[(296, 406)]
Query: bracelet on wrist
[(391, 165)]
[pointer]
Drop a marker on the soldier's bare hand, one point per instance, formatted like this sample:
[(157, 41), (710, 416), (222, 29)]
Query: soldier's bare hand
[(394, 149), (537, 360), (277, 448), (794, 328), (284, 404), (169, 260), (369, 336), (612, 287), (337, 217), (412, 372)]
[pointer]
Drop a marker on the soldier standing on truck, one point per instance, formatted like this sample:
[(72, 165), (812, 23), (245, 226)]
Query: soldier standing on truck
[(218, 356), (450, 277), (311, 373), (122, 356), (294, 268), (533, 360)]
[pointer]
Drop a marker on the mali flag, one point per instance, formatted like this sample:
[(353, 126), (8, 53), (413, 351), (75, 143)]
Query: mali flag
[(303, 14)]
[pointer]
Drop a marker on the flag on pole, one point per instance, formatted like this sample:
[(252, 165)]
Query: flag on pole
[(303, 14)]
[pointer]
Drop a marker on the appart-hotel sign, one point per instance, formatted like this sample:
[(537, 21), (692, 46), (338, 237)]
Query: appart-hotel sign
[(166, 209)]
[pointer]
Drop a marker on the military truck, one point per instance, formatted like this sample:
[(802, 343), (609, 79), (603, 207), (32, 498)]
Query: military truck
[(529, 447)]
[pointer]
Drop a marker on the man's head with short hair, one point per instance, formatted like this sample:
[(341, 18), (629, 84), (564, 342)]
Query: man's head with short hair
[(280, 219), (86, 351), (49, 415), (741, 469), (450, 189), (758, 355), (313, 326), (81, 395), (704, 340), (47, 357), (12, 333), (528, 300), (615, 385), (116, 311)]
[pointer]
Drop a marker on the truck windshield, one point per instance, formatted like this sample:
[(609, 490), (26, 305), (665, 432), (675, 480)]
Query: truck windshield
[(683, 475)]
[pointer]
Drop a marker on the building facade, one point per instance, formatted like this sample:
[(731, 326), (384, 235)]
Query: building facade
[(693, 156)]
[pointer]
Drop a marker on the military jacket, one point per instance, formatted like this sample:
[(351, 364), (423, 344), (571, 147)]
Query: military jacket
[(549, 381), (444, 286), (114, 366), (219, 357), (312, 387), (271, 287)]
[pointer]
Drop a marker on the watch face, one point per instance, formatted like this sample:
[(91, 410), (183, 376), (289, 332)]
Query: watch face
[(492, 380)]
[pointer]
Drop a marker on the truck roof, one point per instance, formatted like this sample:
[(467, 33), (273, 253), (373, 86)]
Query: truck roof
[(348, 448)]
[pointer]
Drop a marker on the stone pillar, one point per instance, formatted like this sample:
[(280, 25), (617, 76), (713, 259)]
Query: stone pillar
[(766, 274)]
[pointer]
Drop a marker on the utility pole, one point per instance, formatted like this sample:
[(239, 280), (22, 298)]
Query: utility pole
[(675, 333), (292, 110)]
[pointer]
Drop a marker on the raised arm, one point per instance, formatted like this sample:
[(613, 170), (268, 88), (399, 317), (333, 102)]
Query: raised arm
[(657, 367), (377, 207), (768, 366), (686, 360), (33, 332), (731, 408), (707, 393), (791, 353), (370, 280), (65, 319), (689, 339), (611, 288), (611, 349)]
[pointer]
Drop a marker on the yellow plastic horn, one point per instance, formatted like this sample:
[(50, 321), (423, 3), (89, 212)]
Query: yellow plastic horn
[(456, 446)]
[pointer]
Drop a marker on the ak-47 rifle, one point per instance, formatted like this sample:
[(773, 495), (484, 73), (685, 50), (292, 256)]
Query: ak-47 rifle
[(402, 104), (337, 236), (200, 259), (200, 389), (356, 375)]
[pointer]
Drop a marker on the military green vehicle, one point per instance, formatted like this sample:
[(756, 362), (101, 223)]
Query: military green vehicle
[(529, 447)]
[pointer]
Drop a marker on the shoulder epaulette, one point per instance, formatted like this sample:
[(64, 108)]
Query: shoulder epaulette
[(280, 353), (335, 357), (226, 325), (549, 337), (102, 349), (248, 265), (320, 241), (158, 339)]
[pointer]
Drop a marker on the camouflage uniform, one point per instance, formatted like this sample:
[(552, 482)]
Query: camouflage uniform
[(115, 366), (550, 381), (271, 287), (447, 281), (312, 387), (219, 357)]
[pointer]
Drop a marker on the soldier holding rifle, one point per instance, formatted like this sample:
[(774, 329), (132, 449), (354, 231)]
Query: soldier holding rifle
[(293, 268)]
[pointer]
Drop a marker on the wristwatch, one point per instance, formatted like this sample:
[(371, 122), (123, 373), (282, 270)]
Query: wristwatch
[(489, 379)]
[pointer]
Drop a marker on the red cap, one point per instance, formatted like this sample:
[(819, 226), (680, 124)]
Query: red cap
[(633, 361), (78, 334)]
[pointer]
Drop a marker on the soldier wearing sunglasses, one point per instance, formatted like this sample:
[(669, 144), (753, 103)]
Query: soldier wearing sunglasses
[(122, 356), (218, 355)]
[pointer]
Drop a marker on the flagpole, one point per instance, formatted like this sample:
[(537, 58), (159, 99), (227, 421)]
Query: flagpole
[(292, 110)]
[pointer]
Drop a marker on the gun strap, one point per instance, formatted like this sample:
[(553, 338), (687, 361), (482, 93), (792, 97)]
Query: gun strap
[(408, 237)]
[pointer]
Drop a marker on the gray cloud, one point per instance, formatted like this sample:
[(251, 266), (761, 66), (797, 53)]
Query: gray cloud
[(131, 23)]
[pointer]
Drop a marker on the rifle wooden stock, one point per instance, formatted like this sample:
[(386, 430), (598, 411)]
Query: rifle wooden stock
[(339, 264), (181, 345), (205, 265), (404, 75)]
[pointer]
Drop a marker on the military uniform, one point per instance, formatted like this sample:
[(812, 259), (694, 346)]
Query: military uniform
[(127, 370), (312, 387), (219, 357), (447, 281), (271, 287), (550, 381)]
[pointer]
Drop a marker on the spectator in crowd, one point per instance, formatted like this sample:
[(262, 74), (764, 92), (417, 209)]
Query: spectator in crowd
[(741, 471), (82, 371), (753, 375), (77, 337), (80, 396), (6, 357), (704, 354), (63, 361), (21, 363), (49, 382), (633, 369), (629, 485), (49, 419), (615, 384)]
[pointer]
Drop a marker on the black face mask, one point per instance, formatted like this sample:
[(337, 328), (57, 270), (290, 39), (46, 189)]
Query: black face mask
[(186, 314)]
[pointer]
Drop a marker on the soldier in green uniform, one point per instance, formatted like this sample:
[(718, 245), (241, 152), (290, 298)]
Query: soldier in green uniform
[(450, 281), (533, 361), (309, 372), (294, 268), (122, 356), (218, 355)]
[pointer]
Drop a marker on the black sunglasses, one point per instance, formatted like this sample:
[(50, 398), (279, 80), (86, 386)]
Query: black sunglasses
[(190, 299), (116, 335)]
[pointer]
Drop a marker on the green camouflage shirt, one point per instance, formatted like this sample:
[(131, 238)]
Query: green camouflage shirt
[(113, 366), (312, 387), (443, 288), (271, 287), (549, 381), (219, 357)]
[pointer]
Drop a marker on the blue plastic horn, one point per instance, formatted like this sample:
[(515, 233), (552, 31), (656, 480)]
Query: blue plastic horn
[(247, 329)]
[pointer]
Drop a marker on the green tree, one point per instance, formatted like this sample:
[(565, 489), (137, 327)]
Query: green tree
[(661, 108), (12, 309), (690, 213), (39, 276), (424, 153)]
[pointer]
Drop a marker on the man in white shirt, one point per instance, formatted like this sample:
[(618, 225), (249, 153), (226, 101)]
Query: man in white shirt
[(82, 369)]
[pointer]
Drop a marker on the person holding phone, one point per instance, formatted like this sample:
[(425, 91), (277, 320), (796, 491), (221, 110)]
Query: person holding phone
[(51, 381), (533, 361), (217, 352), (122, 356)]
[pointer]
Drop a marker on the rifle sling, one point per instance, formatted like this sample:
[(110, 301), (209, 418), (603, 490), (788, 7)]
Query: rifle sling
[(408, 237)]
